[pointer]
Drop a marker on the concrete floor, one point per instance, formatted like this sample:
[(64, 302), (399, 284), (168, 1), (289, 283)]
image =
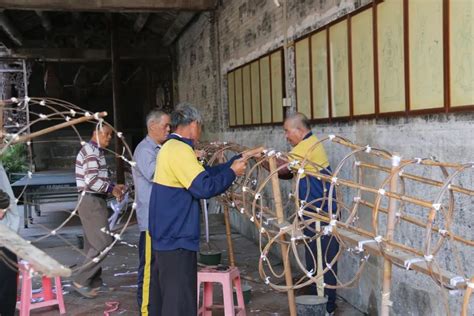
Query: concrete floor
[(121, 265)]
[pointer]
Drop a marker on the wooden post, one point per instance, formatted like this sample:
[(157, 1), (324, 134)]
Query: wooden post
[(228, 233), (284, 248), (115, 59), (467, 296), (56, 127), (391, 218), (39, 260)]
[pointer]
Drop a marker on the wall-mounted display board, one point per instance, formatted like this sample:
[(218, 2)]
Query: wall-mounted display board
[(388, 58), (390, 55), (339, 69), (255, 91), (426, 54), (362, 63), (461, 52), (319, 68)]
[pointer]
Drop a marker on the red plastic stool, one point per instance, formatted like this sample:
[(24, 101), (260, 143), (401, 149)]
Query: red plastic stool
[(209, 276), (49, 299)]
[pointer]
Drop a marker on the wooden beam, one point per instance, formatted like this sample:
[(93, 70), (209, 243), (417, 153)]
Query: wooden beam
[(109, 5), (10, 29), (27, 137), (177, 27), (400, 258), (45, 21), (115, 58), (140, 22), (82, 55), (37, 259)]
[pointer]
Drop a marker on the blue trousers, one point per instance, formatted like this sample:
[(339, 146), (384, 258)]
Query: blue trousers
[(146, 287), (329, 249)]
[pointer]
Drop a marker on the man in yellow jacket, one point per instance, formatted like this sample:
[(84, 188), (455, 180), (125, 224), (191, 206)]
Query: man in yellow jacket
[(180, 182)]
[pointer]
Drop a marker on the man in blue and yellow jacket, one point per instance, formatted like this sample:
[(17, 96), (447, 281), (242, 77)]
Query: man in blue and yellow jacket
[(180, 182), (320, 252)]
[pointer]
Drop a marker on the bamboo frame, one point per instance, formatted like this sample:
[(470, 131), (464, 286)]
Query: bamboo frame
[(286, 232)]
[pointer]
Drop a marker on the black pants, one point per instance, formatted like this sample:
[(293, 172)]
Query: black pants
[(146, 287), (175, 276), (8, 282), (329, 249)]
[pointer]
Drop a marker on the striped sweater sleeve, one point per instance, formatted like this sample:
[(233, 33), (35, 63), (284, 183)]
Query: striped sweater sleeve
[(92, 174)]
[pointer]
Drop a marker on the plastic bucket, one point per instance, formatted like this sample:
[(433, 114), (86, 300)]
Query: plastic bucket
[(311, 305), (210, 258), (246, 292)]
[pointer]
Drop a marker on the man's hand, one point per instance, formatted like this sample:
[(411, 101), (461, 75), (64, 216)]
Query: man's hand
[(118, 191), (255, 152), (239, 166), (200, 154)]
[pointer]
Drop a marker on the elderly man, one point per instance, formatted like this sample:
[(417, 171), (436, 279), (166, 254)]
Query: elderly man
[(93, 182), (158, 126), (299, 135), (180, 182)]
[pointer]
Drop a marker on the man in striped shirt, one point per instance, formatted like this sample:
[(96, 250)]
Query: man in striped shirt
[(93, 182)]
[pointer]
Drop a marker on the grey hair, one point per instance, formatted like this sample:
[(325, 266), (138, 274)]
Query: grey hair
[(299, 120), (154, 116), (184, 114)]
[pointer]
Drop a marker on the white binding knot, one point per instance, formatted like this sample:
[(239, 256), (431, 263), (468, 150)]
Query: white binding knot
[(270, 153), (396, 160), (443, 232), (429, 258)]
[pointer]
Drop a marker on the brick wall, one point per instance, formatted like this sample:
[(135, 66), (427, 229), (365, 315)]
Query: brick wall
[(242, 30)]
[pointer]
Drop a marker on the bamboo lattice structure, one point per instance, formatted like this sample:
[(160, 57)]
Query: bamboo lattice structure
[(376, 189)]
